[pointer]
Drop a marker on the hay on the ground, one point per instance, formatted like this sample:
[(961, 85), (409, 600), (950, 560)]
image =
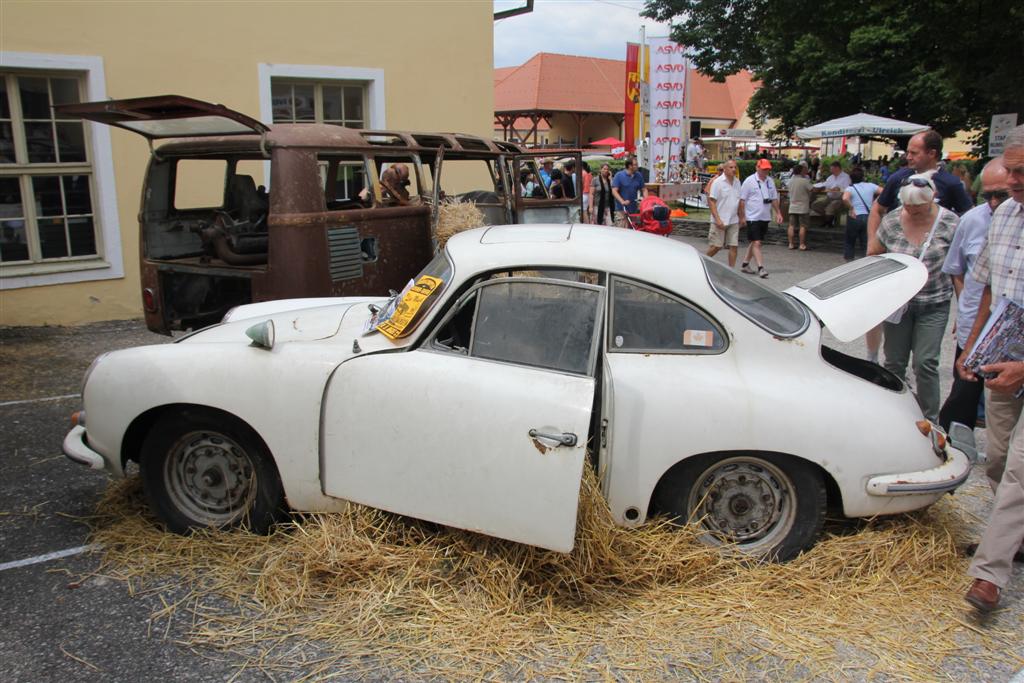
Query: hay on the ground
[(366, 591)]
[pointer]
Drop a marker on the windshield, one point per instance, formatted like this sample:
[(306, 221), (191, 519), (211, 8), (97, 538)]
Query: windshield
[(404, 311), (775, 312)]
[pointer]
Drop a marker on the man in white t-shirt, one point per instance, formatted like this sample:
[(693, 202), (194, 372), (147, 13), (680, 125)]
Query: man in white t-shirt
[(724, 203), (759, 200)]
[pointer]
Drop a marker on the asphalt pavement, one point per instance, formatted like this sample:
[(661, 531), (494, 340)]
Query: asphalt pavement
[(62, 621)]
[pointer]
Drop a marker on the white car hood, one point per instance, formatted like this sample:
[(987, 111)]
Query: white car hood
[(294, 320), (855, 297)]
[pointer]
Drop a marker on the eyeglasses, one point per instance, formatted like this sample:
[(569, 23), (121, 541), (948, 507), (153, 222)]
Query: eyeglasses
[(916, 182), (1001, 195)]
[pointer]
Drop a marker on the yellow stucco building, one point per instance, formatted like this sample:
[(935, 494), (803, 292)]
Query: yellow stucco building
[(69, 191)]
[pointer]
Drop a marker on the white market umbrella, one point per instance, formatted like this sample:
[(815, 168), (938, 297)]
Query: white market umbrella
[(860, 124)]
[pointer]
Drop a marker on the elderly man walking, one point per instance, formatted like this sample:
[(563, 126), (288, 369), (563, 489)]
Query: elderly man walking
[(758, 197), (724, 204), (1000, 267), (962, 404)]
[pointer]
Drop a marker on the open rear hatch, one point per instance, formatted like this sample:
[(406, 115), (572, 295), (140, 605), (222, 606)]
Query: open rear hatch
[(853, 298), (166, 116)]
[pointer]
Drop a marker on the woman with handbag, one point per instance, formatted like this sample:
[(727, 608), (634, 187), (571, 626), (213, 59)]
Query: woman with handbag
[(603, 201), (923, 229), (858, 198)]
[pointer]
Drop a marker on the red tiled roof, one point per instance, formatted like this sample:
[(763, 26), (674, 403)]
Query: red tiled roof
[(553, 82)]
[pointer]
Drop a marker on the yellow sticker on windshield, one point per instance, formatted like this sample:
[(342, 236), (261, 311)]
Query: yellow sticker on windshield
[(409, 306)]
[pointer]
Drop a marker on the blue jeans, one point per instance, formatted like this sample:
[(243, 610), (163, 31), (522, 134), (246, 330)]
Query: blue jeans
[(919, 334)]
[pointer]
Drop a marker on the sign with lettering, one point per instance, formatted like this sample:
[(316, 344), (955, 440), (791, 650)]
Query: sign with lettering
[(1001, 125), (668, 101)]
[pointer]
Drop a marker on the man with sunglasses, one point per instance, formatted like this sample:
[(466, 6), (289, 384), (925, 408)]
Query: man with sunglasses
[(962, 404), (999, 267)]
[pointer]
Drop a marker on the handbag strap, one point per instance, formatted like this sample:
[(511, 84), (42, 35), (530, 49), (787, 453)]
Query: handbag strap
[(931, 233), (861, 197)]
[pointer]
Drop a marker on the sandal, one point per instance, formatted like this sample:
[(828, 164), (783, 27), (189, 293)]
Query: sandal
[(792, 247), (803, 247)]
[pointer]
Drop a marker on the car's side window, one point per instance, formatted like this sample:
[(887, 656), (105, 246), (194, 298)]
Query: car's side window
[(644, 319), (528, 322)]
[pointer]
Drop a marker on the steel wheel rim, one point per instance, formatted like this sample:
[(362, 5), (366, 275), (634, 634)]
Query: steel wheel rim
[(746, 501), (210, 478)]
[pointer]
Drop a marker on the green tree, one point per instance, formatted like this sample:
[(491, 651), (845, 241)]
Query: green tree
[(948, 63)]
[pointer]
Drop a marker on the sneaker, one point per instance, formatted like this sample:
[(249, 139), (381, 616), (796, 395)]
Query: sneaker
[(761, 272), (747, 269)]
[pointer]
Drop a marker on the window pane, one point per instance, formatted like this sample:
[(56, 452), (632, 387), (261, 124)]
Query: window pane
[(13, 243), (52, 240), (5, 107), (39, 137), (71, 142), (65, 90), (776, 312), (76, 194), (332, 103), (643, 319), (47, 192), (199, 183), (305, 108), (354, 103), (282, 104), (47, 195), (35, 99), (543, 325), (10, 198), (82, 236), (353, 124), (6, 143)]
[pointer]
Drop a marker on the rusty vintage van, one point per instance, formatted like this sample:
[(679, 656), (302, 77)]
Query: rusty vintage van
[(212, 237)]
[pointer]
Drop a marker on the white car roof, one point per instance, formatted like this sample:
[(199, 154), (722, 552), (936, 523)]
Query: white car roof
[(653, 258)]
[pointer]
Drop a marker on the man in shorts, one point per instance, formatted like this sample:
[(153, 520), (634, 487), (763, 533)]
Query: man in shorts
[(724, 203), (758, 200)]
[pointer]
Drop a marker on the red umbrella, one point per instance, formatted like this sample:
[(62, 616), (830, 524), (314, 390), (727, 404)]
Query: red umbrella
[(607, 142)]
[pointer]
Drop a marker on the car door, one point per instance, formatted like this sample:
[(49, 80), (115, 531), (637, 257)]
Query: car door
[(484, 425), (544, 209)]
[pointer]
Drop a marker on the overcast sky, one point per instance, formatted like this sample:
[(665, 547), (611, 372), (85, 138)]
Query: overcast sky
[(588, 28)]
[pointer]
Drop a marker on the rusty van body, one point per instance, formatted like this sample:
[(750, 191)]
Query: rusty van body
[(324, 226)]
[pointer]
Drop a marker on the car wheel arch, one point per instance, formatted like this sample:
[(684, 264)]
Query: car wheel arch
[(140, 427), (832, 490)]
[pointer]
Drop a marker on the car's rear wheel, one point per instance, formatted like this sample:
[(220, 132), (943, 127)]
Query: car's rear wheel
[(201, 469), (763, 504)]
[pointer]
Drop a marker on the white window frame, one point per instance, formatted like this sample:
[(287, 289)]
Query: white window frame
[(109, 264), (373, 79)]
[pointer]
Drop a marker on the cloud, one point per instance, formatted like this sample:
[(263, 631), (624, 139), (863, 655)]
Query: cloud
[(588, 28)]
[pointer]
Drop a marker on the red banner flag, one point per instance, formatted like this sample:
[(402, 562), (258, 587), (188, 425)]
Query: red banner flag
[(632, 100)]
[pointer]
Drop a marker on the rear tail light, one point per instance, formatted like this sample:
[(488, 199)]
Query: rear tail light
[(78, 418), (149, 300)]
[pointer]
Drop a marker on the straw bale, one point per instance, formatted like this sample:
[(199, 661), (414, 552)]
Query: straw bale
[(454, 216), (367, 591)]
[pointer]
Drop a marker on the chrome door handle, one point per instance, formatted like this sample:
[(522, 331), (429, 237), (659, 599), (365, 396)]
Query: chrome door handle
[(564, 439)]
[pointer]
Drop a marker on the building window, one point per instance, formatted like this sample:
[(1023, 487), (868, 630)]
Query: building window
[(46, 174), (337, 102)]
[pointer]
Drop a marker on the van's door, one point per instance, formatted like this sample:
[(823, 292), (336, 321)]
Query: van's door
[(542, 208), (166, 116)]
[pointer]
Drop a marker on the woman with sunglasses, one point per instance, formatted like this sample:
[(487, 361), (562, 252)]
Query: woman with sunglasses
[(923, 229)]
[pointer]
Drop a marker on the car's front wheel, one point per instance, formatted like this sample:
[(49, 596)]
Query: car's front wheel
[(202, 469), (765, 505)]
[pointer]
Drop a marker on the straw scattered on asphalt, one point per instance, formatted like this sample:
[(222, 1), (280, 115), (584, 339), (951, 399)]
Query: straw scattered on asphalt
[(367, 591)]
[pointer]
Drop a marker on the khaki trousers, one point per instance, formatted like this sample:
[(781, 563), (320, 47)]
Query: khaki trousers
[(1004, 533)]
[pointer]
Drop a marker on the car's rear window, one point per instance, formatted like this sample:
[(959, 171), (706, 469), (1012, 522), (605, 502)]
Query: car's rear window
[(777, 313)]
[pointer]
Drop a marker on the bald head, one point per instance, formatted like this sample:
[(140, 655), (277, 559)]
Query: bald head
[(994, 178)]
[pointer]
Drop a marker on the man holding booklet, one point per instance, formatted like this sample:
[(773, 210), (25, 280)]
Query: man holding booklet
[(1000, 267)]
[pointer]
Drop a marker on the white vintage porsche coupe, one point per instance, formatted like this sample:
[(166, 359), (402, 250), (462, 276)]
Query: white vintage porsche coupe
[(523, 355)]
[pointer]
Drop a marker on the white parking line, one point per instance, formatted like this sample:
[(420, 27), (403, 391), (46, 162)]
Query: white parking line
[(39, 400), (56, 555)]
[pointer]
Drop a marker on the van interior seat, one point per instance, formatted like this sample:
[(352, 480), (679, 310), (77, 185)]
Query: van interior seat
[(246, 202)]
